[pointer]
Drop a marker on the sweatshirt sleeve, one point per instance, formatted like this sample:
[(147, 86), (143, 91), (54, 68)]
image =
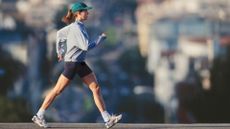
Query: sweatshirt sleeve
[(96, 42), (61, 37), (81, 39)]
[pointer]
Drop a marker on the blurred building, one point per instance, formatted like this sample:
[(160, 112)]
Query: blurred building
[(181, 38)]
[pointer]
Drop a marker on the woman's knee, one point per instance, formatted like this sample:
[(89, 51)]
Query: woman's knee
[(94, 87)]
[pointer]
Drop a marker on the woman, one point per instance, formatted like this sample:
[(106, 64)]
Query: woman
[(72, 46)]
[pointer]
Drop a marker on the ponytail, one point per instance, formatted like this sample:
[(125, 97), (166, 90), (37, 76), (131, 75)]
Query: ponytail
[(69, 18)]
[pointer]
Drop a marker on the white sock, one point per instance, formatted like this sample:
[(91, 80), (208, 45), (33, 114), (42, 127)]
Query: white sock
[(105, 115), (41, 113)]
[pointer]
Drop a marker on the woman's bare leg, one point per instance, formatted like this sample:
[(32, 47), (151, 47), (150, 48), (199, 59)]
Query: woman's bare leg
[(58, 88), (109, 120), (91, 81)]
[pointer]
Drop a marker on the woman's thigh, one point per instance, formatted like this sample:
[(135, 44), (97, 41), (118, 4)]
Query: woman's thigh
[(90, 79), (61, 83)]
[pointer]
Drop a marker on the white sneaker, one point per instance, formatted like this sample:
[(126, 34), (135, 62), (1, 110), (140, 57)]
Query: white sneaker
[(113, 120), (40, 121)]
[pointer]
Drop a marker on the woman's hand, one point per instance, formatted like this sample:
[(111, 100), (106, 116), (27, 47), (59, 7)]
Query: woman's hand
[(100, 38), (60, 57), (103, 36)]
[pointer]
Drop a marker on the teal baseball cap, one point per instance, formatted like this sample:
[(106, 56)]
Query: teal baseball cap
[(79, 6)]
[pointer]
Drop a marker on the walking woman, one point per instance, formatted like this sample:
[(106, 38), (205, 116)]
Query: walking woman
[(72, 46)]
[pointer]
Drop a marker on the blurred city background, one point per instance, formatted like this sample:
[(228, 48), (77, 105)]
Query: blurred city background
[(164, 61)]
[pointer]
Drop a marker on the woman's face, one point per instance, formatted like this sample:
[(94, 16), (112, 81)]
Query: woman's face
[(82, 15)]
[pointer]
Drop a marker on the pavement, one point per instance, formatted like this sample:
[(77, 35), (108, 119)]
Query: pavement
[(118, 126)]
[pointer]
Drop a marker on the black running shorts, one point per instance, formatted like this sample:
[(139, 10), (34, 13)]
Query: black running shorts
[(72, 68)]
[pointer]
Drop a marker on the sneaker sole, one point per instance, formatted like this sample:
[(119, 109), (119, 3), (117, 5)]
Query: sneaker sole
[(37, 123), (114, 123)]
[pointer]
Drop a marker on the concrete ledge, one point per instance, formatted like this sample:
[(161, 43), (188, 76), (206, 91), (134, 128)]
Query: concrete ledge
[(118, 126)]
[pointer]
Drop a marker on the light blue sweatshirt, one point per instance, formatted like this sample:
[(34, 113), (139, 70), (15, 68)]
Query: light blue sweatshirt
[(73, 42)]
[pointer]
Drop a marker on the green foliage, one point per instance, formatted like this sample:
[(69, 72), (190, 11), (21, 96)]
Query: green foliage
[(219, 95), (11, 71), (111, 37), (213, 106), (132, 61), (13, 111), (135, 65)]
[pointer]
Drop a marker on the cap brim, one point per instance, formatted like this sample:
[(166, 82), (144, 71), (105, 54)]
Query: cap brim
[(85, 8), (88, 8)]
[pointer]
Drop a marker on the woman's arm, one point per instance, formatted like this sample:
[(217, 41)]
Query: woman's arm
[(61, 38), (100, 38), (81, 39)]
